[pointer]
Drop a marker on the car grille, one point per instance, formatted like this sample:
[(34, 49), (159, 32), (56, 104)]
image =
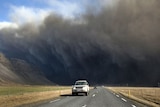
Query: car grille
[(79, 87)]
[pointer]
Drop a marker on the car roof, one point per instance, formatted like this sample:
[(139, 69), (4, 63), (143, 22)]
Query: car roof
[(81, 81)]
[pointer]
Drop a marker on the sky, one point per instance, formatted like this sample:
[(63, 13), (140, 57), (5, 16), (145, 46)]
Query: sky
[(17, 12)]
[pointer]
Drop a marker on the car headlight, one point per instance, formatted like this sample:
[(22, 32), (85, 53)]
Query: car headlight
[(84, 88), (74, 88)]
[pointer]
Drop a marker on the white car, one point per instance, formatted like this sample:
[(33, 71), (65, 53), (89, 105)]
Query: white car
[(80, 86)]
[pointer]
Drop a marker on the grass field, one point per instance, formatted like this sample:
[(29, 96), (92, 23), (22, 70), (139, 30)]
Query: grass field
[(143, 94), (15, 90), (13, 96)]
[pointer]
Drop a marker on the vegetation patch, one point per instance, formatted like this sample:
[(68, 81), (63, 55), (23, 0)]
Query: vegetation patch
[(147, 95), (22, 95)]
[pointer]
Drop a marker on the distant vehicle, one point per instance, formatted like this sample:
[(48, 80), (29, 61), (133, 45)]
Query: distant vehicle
[(80, 86), (95, 87)]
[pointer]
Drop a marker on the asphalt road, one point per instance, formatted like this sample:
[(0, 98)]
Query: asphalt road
[(99, 97)]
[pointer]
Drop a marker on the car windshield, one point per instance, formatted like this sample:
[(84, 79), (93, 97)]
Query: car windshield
[(81, 83)]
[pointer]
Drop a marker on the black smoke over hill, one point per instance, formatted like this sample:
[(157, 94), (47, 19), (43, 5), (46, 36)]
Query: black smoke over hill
[(112, 44)]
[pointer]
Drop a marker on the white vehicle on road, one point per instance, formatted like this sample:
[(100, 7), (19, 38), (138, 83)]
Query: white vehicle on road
[(80, 86)]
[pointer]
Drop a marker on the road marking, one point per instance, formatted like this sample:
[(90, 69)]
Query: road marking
[(117, 95), (124, 99), (54, 101), (93, 95), (84, 106), (133, 106)]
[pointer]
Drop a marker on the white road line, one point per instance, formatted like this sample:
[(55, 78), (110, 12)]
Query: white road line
[(133, 106), (124, 99), (93, 95), (84, 106), (54, 101), (117, 95)]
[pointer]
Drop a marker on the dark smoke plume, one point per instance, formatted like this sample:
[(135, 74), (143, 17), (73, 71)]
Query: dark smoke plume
[(113, 44)]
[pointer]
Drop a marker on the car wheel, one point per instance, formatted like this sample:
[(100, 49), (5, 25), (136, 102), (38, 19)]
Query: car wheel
[(73, 94), (86, 93)]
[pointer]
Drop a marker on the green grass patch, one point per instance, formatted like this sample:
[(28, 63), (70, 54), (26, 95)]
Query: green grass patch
[(13, 90)]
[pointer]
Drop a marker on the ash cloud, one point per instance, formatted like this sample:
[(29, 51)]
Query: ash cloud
[(115, 44)]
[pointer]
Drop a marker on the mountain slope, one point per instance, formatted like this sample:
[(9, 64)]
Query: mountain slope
[(16, 71)]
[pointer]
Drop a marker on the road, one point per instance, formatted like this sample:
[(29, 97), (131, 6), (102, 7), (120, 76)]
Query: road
[(100, 97)]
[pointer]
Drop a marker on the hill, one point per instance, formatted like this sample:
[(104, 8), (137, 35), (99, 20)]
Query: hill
[(16, 71)]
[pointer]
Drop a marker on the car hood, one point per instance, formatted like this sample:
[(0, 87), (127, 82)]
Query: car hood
[(79, 85)]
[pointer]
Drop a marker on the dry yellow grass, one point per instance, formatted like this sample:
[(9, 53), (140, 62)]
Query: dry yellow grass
[(14, 100), (149, 96)]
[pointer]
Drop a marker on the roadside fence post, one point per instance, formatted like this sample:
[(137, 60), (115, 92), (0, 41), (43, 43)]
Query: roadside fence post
[(129, 93)]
